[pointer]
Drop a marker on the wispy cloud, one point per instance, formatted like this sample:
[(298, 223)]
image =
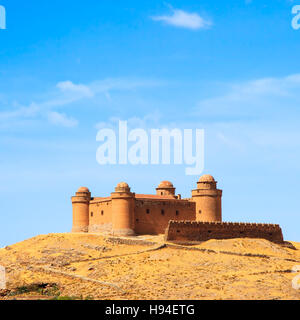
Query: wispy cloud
[(70, 87), (256, 117), (266, 97), (183, 19), (67, 93), (60, 119), (20, 112), (148, 121)]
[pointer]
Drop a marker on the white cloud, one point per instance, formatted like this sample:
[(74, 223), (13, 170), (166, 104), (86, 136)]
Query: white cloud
[(67, 93), (70, 87), (70, 93), (255, 119), (183, 19), (61, 119), (122, 84), (21, 112), (266, 97), (146, 122)]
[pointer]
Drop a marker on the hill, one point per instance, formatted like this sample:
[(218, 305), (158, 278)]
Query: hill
[(90, 266)]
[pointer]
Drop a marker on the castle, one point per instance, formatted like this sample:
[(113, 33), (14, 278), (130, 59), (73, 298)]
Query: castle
[(198, 218)]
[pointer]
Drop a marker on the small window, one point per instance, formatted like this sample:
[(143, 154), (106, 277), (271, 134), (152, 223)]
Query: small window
[(102, 213), (177, 213), (200, 211), (161, 193), (92, 214), (163, 212), (137, 220), (148, 211)]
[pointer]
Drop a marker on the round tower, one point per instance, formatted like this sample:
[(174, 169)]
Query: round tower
[(123, 210), (80, 203), (165, 188), (208, 200)]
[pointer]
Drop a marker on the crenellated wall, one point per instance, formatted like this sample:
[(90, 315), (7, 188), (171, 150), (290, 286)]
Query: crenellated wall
[(185, 231)]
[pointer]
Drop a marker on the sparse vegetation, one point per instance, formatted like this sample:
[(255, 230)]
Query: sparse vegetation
[(61, 298), (45, 289)]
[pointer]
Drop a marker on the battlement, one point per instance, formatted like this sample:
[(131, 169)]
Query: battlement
[(164, 202), (203, 231), (226, 224)]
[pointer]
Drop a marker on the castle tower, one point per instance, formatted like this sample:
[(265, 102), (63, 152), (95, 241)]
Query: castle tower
[(165, 188), (123, 210), (208, 200), (80, 203)]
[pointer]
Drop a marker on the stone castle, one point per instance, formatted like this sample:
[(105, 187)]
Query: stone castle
[(198, 218)]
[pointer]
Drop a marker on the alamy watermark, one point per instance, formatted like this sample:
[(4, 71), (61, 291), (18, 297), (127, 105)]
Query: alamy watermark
[(2, 17), (296, 19), (296, 279), (2, 278), (152, 147)]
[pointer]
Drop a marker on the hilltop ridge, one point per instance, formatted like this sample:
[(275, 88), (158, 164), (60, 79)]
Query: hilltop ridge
[(91, 266)]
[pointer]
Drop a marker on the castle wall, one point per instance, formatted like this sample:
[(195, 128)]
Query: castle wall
[(185, 231), (153, 216), (100, 216)]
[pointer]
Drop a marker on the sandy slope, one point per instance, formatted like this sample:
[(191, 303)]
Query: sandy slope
[(86, 265)]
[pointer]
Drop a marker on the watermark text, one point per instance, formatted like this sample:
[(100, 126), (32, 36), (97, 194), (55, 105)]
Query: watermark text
[(296, 279), (2, 278), (2, 17), (296, 19), (152, 147)]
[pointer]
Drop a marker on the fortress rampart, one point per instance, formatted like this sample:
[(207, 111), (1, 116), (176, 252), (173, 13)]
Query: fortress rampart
[(189, 231), (198, 218)]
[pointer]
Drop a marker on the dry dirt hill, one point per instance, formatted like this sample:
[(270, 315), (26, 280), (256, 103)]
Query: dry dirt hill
[(88, 266)]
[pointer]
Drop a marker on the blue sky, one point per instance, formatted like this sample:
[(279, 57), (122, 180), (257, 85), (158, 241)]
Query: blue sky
[(231, 68)]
